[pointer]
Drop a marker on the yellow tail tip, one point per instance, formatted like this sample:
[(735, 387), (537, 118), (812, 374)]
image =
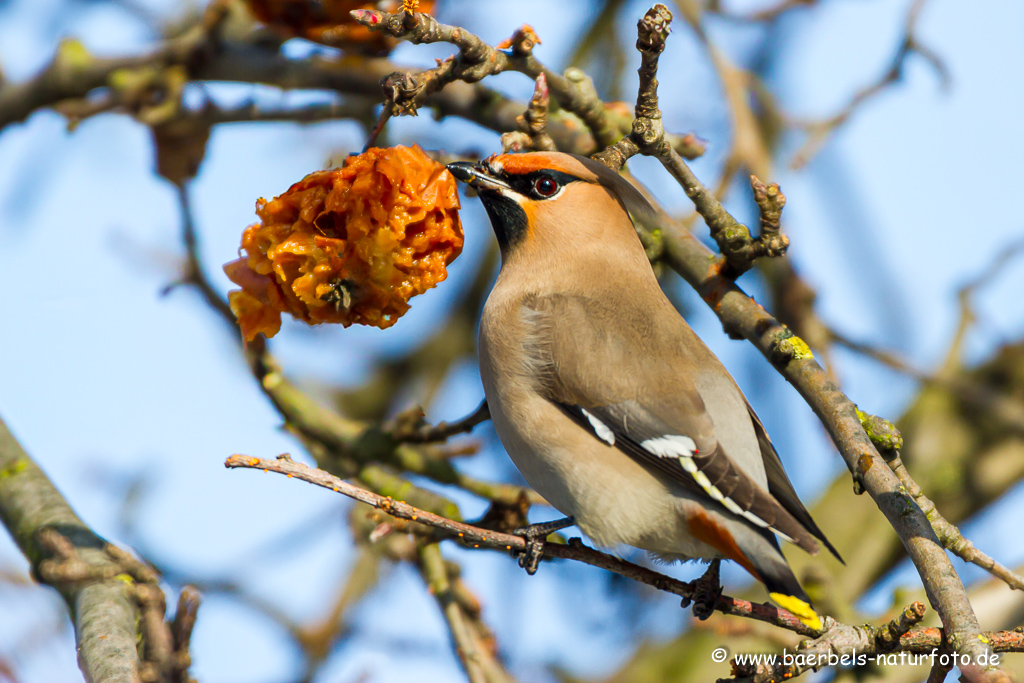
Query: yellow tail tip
[(800, 609)]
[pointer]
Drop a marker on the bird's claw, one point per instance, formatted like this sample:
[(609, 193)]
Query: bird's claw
[(706, 591), (530, 558), (704, 605), (535, 535)]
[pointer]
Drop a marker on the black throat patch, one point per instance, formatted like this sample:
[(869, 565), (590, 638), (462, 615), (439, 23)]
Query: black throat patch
[(507, 218)]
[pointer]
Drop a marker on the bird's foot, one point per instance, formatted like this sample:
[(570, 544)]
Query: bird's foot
[(706, 591), (535, 535)]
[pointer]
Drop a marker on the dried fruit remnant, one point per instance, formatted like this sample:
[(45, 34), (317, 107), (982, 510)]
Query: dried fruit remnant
[(328, 22), (348, 245)]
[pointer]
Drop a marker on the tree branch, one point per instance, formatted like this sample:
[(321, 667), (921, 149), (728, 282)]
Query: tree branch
[(114, 600), (476, 60), (478, 665), (73, 74), (851, 642), (532, 133), (477, 537), (949, 535), (742, 316), (818, 132), (417, 431), (897, 635)]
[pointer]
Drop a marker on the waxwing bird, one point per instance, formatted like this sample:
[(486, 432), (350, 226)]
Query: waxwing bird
[(608, 403)]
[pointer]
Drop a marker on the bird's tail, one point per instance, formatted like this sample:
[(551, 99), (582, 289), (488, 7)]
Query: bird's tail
[(763, 554)]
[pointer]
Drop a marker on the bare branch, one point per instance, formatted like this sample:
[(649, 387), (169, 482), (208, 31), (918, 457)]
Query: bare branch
[(74, 74), (818, 132), (790, 355), (480, 667), (477, 537), (414, 430), (103, 614), (477, 59), (648, 137), (897, 636), (532, 133), (114, 599), (949, 535)]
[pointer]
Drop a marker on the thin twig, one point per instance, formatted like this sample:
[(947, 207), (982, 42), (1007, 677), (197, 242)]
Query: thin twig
[(767, 15), (194, 274), (477, 537), (949, 535), (385, 116), (648, 137), (532, 133), (477, 59), (424, 433), (818, 132)]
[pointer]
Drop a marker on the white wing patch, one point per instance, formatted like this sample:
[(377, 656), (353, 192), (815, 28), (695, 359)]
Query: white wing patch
[(600, 428), (684, 448), (673, 446)]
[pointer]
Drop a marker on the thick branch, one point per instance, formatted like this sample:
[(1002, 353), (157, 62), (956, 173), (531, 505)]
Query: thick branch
[(742, 316), (116, 602), (74, 74), (104, 615)]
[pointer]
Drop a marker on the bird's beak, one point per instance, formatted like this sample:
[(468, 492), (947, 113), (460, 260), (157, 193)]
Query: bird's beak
[(476, 176)]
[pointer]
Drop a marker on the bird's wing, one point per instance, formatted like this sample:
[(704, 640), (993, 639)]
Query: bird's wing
[(602, 365), (781, 487)]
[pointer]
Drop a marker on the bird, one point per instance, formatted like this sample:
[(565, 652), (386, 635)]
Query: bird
[(608, 403)]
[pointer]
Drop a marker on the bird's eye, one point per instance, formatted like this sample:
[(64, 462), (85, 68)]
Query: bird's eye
[(545, 187)]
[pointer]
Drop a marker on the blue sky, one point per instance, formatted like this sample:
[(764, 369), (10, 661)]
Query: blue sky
[(106, 382)]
